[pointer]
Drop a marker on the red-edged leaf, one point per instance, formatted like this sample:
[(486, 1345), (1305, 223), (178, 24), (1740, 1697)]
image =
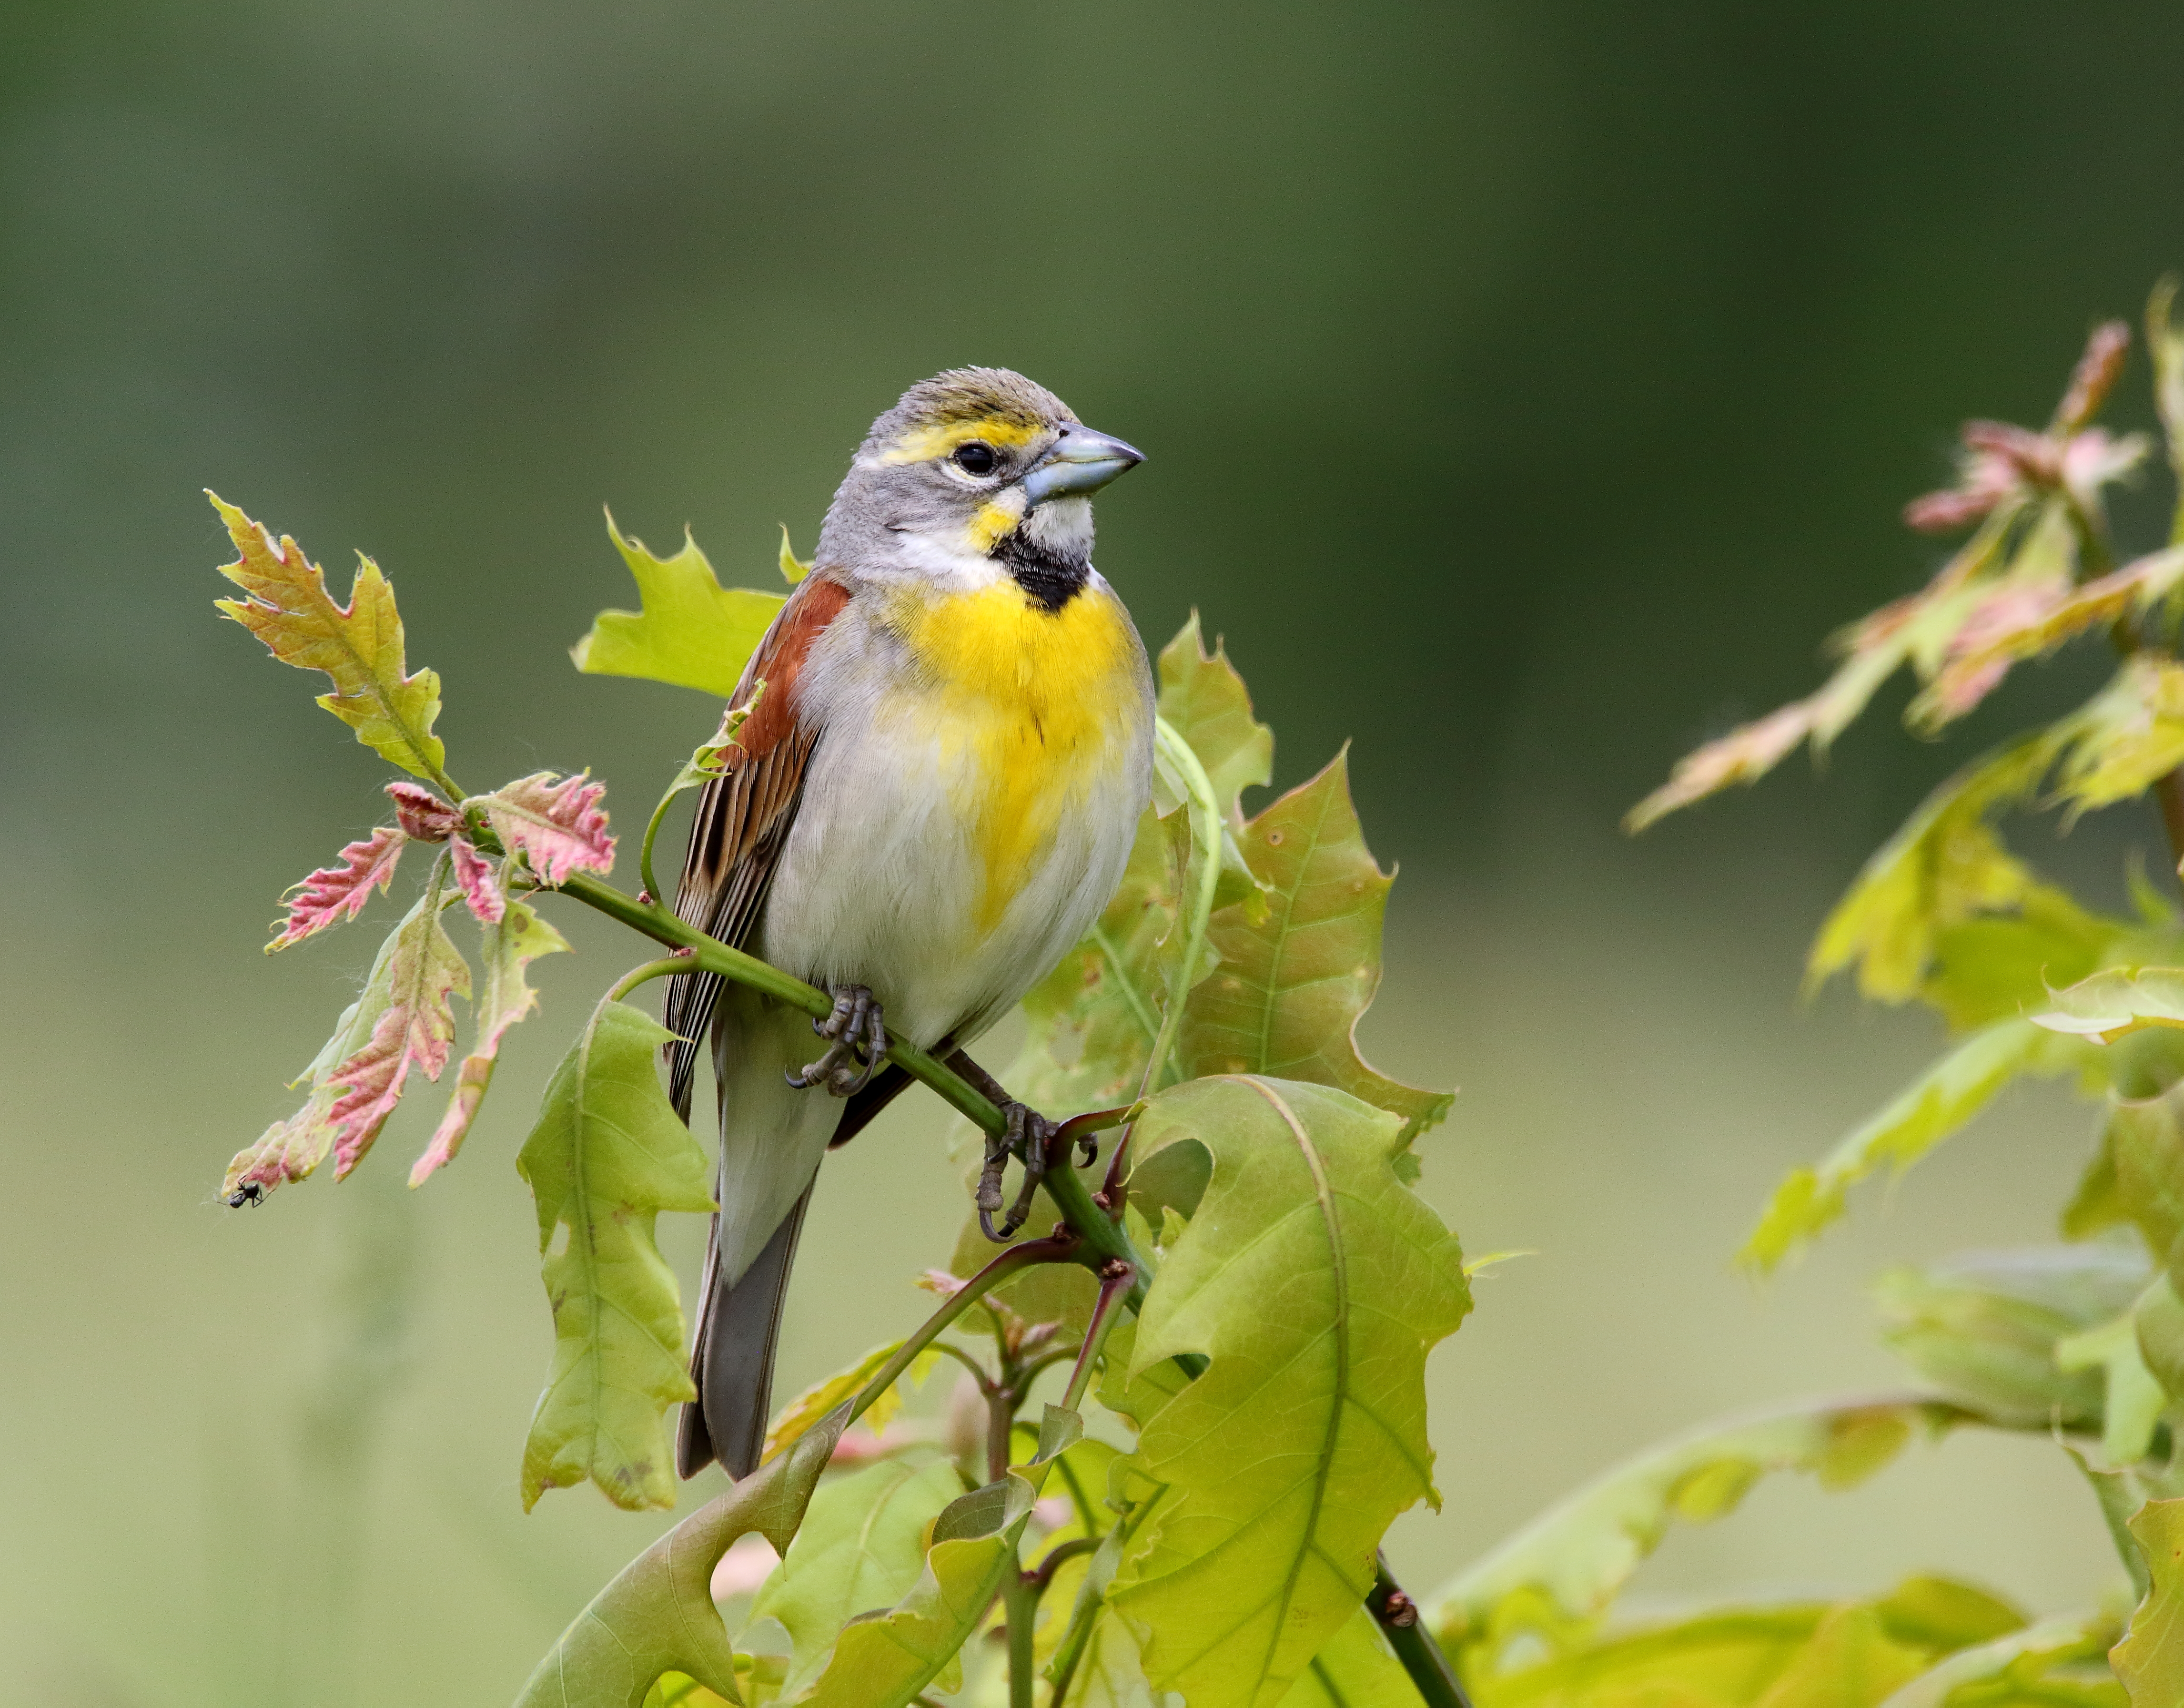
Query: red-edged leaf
[(481, 886), (335, 893), (423, 816), (519, 938), (558, 825), (358, 645), (415, 1030)]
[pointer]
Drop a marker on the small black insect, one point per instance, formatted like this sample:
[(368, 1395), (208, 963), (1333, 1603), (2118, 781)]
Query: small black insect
[(250, 1192)]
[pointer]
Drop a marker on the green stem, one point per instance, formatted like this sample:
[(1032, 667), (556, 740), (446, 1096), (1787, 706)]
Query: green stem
[(1422, 1658), (1020, 1607), (1205, 838), (710, 955), (666, 967), (1115, 1281), (1016, 1258)]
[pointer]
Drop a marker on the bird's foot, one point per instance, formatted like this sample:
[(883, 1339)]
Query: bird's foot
[(1029, 1138), (858, 1043)]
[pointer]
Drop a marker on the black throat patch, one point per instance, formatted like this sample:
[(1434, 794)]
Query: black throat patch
[(1052, 578)]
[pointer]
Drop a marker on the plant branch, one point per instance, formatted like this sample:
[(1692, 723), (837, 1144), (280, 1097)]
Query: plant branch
[(1058, 1248), (1422, 1658)]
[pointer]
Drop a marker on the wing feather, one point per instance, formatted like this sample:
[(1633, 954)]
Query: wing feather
[(744, 814)]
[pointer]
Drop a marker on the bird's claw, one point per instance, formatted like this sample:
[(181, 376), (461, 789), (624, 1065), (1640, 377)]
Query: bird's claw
[(858, 1042), (1029, 1137)]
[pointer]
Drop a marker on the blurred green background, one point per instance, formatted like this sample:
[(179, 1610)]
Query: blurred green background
[(1527, 388)]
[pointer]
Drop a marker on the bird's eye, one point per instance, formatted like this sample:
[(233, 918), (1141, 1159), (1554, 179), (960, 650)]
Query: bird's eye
[(977, 457)]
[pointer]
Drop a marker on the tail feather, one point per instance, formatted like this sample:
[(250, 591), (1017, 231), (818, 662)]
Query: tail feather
[(731, 1365), (772, 1137)]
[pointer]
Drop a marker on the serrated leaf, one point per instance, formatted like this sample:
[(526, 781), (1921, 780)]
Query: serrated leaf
[(1984, 1329), (1946, 865), (479, 883), (1204, 698), (2125, 738), (861, 1548), (2150, 1659), (691, 632), (556, 823), (607, 1155), (657, 1616), (1559, 1573), (511, 943), (1934, 1106), (2026, 620), (1292, 986), (2009, 1671), (334, 894), (358, 645), (414, 1030), (290, 1150), (883, 1662), (1995, 966), (2115, 1002), (1309, 1260), (1356, 1669)]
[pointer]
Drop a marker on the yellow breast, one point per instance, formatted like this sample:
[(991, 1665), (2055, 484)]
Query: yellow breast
[(1032, 707)]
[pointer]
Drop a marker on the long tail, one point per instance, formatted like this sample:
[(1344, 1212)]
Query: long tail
[(772, 1137), (732, 1360)]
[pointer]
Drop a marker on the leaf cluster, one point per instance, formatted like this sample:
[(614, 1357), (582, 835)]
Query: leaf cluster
[(2086, 1340)]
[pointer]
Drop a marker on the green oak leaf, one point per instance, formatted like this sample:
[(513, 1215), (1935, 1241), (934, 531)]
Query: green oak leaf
[(1294, 982), (1984, 1329), (1309, 1262), (1936, 1104), (358, 645), (1559, 1573), (2158, 1320), (2117, 1001), (2150, 1659), (1206, 701), (691, 632), (1945, 866), (1356, 1669), (860, 1547), (657, 1616), (607, 1155), (884, 1661)]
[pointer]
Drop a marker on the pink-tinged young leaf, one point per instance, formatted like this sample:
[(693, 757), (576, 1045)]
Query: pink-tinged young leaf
[(557, 824), (358, 645), (513, 942), (333, 894), (415, 1030), (481, 887), (422, 815), (289, 1150), (2094, 377)]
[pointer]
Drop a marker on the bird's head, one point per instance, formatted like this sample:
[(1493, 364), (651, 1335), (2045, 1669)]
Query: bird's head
[(975, 472)]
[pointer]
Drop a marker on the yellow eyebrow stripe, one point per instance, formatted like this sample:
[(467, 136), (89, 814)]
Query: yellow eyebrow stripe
[(923, 445)]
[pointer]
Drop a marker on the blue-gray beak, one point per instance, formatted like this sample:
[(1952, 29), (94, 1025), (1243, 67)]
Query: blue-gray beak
[(1080, 461)]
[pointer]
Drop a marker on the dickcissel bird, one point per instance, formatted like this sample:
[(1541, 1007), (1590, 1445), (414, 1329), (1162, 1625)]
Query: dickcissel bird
[(929, 804)]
